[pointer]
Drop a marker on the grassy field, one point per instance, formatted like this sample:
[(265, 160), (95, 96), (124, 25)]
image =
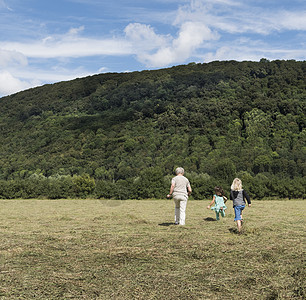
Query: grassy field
[(92, 249)]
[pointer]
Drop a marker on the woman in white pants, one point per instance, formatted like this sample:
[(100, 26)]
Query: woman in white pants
[(180, 190)]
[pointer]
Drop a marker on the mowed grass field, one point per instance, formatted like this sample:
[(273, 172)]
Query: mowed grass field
[(107, 249)]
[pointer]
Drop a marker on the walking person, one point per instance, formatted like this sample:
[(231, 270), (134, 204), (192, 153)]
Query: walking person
[(219, 200), (180, 189), (238, 195)]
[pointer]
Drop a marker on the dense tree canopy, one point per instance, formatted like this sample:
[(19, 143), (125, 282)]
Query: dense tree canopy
[(129, 131)]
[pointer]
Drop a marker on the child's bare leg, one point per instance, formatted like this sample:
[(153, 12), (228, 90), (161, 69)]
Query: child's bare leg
[(239, 225)]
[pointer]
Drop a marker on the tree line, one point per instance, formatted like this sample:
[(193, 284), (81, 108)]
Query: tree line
[(151, 184)]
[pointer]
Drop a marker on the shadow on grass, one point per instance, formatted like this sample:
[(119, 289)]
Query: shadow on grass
[(235, 231), (166, 224), (209, 219)]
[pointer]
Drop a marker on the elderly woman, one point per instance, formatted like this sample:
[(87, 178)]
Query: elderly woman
[(180, 190)]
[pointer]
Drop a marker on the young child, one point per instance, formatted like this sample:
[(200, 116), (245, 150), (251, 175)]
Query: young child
[(238, 195), (219, 199)]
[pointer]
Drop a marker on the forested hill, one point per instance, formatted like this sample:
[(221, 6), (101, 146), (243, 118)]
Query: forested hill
[(128, 131)]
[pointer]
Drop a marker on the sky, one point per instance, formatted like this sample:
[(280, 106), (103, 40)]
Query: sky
[(44, 41)]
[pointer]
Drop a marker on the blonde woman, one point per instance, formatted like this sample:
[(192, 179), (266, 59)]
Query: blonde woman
[(238, 195)]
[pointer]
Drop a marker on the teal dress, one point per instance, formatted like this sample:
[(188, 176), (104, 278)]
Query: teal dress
[(219, 207)]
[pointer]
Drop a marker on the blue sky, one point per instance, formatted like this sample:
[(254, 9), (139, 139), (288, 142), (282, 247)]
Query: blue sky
[(43, 41)]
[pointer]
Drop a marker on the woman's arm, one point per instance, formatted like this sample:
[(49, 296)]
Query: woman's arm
[(189, 190), (171, 190)]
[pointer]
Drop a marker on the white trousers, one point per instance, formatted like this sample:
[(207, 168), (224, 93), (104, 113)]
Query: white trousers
[(180, 202)]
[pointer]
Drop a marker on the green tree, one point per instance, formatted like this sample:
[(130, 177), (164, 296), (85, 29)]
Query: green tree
[(83, 185)]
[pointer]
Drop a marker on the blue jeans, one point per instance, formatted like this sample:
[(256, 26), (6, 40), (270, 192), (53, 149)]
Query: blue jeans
[(238, 211)]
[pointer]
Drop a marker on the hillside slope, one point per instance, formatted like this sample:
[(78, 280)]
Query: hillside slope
[(217, 120)]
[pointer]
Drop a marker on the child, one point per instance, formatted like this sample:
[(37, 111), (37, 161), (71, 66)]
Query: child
[(219, 199), (238, 195)]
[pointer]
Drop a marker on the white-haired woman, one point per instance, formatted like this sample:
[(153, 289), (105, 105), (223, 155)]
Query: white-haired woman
[(238, 195), (180, 189)]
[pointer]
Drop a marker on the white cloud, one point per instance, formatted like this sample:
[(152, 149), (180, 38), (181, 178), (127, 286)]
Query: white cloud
[(143, 37), (233, 53), (190, 37), (103, 70), (241, 53), (12, 58), (19, 79), (69, 47), (210, 12), (241, 17), (16, 73), (291, 20), (10, 84), (50, 73), (4, 5), (75, 31)]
